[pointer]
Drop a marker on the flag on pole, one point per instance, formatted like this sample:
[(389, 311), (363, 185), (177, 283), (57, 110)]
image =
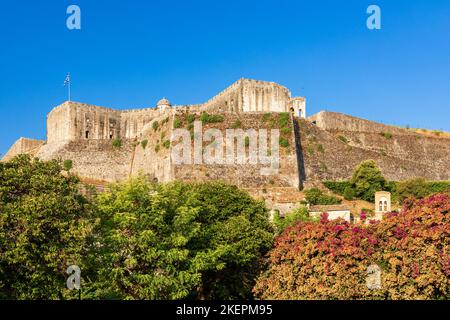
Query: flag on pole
[(67, 83), (67, 80)]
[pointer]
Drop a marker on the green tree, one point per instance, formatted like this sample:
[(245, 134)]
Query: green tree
[(315, 196), (299, 214), (367, 179), (349, 193), (174, 241), (45, 224), (415, 188)]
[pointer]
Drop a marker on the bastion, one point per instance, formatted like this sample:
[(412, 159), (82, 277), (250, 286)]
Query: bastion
[(108, 145)]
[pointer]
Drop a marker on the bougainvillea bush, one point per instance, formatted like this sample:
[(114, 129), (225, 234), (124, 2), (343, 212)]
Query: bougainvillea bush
[(330, 259), (414, 250)]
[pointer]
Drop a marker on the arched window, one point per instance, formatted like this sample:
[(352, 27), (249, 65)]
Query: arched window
[(380, 206), (385, 208)]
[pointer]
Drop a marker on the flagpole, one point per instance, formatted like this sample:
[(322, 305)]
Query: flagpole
[(69, 89)]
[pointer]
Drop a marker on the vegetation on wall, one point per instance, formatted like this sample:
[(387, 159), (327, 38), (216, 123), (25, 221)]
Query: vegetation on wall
[(144, 144), (155, 125), (117, 143), (211, 118), (177, 123), (386, 135)]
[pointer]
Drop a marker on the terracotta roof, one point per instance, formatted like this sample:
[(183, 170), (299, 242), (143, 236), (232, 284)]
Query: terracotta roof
[(328, 208)]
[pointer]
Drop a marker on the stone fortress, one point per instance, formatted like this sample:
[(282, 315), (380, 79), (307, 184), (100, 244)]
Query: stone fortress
[(324, 146)]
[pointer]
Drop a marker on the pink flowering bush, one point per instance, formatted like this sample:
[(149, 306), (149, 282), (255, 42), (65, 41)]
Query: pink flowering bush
[(329, 260)]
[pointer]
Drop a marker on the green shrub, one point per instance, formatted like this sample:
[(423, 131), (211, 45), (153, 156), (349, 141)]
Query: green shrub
[(415, 188), (438, 186), (299, 214), (310, 150), (337, 187), (157, 147), (117, 143), (349, 193), (343, 139), (320, 148), (67, 164), (387, 135), (166, 144), (437, 132), (247, 141), (190, 118), (177, 123), (266, 117), (155, 125), (283, 119), (286, 130), (213, 118), (236, 124), (367, 179), (315, 196), (144, 143), (284, 142)]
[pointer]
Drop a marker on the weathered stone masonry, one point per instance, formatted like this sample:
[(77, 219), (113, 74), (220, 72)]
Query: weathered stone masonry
[(84, 133)]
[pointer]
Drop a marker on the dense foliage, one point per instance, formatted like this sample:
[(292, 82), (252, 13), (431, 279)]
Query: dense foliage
[(329, 260), (180, 241), (139, 240), (136, 240), (44, 227), (417, 188), (367, 179), (299, 214), (315, 196)]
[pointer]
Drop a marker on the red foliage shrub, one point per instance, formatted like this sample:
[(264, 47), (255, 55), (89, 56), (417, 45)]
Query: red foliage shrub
[(329, 260)]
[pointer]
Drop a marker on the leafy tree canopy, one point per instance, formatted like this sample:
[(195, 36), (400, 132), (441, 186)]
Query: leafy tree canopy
[(177, 240), (44, 224), (367, 179)]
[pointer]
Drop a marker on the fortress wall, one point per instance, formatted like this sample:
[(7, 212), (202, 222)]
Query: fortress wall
[(98, 159), (399, 158), (78, 121), (338, 121), (247, 95), (260, 96), (92, 122), (153, 161), (134, 121), (58, 124), (23, 146), (243, 175), (422, 149)]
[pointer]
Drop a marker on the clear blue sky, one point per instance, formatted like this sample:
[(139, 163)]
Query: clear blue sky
[(129, 54)]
